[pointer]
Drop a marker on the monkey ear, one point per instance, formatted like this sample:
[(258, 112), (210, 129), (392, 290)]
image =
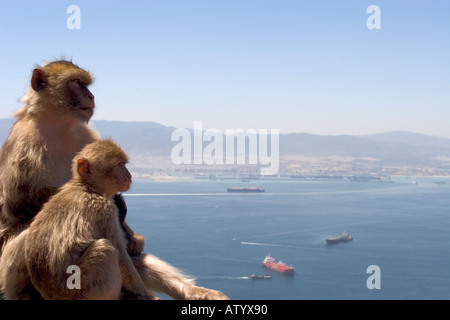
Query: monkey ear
[(84, 168), (38, 81)]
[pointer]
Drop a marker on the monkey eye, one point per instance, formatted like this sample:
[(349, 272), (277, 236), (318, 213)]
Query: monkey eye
[(78, 81)]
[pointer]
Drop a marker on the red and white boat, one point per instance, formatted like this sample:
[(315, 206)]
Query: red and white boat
[(270, 263)]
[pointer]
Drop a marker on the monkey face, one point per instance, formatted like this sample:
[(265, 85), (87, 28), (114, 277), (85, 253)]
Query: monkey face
[(121, 177), (102, 166), (80, 99), (62, 87)]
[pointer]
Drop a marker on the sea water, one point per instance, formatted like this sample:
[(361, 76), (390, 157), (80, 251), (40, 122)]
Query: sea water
[(402, 227)]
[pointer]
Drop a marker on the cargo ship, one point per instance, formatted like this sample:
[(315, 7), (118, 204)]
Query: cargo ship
[(270, 263), (253, 189), (345, 236)]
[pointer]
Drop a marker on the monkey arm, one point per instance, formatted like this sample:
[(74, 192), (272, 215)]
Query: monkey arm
[(29, 202), (121, 206), (135, 242), (17, 213), (131, 280), (20, 206), (23, 176)]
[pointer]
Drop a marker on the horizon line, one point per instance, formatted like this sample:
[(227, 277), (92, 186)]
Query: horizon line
[(315, 134)]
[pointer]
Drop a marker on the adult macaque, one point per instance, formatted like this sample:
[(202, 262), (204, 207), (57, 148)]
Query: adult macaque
[(35, 160), (79, 226), (50, 129)]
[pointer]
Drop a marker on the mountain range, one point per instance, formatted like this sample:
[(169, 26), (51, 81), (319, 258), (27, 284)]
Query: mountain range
[(398, 147)]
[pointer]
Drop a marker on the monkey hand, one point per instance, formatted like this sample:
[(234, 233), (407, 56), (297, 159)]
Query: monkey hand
[(200, 293), (136, 244)]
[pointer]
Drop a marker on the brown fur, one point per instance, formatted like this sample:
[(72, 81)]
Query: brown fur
[(35, 161), (35, 158), (80, 226)]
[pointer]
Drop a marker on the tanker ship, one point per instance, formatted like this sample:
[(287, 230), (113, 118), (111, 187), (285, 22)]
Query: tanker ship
[(270, 263), (345, 236)]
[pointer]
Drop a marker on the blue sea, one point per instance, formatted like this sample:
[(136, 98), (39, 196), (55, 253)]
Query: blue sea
[(403, 227)]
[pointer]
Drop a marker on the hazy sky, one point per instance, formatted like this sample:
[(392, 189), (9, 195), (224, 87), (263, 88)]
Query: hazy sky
[(297, 66)]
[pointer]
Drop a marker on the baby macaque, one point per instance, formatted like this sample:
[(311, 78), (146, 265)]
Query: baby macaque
[(78, 229)]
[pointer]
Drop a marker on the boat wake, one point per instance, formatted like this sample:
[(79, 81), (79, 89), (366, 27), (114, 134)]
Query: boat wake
[(223, 277), (272, 245)]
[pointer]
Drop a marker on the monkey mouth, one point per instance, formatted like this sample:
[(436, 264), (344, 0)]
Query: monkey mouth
[(127, 184), (87, 111), (125, 187)]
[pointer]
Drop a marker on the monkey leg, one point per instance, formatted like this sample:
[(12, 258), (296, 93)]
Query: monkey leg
[(15, 282), (101, 278), (99, 274), (159, 276)]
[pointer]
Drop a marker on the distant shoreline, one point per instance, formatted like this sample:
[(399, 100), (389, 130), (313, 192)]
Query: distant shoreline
[(169, 178)]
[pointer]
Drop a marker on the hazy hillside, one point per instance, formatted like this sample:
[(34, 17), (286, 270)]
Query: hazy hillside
[(143, 138), (409, 138), (406, 148), (138, 138), (152, 139)]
